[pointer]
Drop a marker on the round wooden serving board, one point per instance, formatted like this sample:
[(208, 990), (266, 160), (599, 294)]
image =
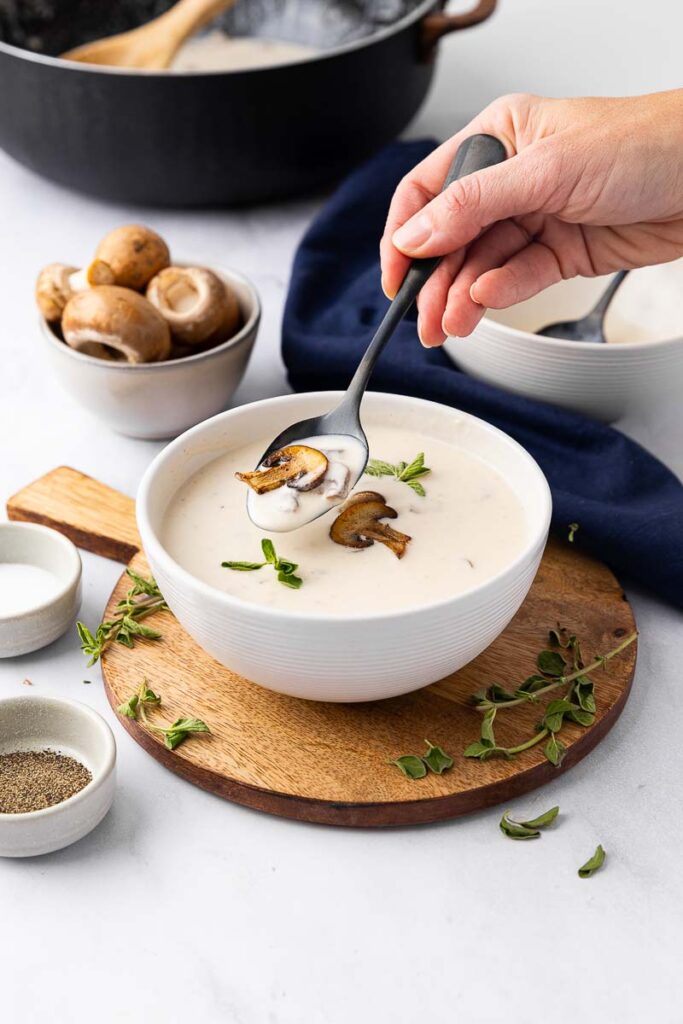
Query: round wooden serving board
[(327, 763)]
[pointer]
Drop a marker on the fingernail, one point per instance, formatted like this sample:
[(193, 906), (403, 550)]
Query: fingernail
[(473, 296), (419, 334), (413, 234)]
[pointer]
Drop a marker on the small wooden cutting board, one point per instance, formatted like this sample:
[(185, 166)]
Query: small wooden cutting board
[(327, 763)]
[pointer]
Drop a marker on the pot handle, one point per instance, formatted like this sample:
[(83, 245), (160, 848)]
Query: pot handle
[(439, 24)]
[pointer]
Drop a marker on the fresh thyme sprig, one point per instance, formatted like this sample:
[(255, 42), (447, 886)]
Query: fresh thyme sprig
[(408, 472), (285, 570), (577, 705), (143, 599), (175, 733)]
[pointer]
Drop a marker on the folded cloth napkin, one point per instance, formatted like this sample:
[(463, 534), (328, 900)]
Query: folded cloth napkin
[(629, 506)]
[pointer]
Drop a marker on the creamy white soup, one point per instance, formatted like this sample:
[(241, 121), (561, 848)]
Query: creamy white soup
[(467, 528), (215, 51)]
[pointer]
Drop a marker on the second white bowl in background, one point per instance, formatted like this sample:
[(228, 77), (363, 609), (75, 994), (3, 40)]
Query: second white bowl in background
[(604, 381)]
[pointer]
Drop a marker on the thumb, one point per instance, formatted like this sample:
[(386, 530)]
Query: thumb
[(461, 212)]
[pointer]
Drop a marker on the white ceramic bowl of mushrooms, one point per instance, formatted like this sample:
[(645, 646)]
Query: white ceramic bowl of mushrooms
[(639, 369), (148, 345)]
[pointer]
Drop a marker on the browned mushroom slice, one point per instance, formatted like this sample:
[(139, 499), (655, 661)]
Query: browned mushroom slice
[(298, 466), (358, 526)]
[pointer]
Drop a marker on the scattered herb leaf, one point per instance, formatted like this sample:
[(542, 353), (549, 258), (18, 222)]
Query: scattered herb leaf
[(408, 472), (573, 527), (593, 864), (173, 734), (436, 759), (284, 569), (555, 750), (543, 820), (413, 767), (551, 663)]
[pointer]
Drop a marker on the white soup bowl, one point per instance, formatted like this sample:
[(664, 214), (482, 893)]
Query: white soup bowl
[(343, 657)]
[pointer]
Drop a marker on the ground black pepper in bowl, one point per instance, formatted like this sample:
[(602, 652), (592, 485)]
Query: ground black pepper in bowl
[(33, 779)]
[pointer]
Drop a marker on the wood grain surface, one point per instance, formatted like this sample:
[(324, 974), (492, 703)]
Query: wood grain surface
[(327, 763)]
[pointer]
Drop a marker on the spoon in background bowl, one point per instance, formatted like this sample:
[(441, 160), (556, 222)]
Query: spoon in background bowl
[(474, 154), (590, 327), (153, 45)]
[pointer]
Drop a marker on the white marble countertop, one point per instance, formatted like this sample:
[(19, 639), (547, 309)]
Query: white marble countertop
[(181, 906)]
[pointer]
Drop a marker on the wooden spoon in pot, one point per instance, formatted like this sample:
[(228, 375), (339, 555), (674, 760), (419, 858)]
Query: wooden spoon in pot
[(154, 45)]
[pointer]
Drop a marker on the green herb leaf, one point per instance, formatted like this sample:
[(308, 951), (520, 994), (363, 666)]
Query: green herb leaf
[(554, 750), (148, 696), (408, 472), (436, 759), (135, 628), (290, 580), (593, 864), (286, 567), (551, 663), (581, 717), (376, 467), (476, 749), (487, 735), (516, 830), (573, 527), (190, 725), (543, 820), (532, 684), (142, 585), (243, 566), (554, 713), (584, 692), (412, 767), (129, 708), (268, 549)]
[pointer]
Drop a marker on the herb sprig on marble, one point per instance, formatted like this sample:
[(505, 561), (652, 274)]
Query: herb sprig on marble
[(408, 472), (173, 733), (143, 599), (285, 570), (560, 667)]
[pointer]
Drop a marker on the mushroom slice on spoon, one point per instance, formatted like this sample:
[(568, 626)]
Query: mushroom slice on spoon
[(358, 525), (297, 466)]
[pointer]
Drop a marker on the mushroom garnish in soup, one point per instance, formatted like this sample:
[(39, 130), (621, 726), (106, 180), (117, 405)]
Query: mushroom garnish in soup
[(403, 550), (298, 483)]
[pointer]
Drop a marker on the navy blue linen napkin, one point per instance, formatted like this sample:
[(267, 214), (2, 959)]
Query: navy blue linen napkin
[(628, 504)]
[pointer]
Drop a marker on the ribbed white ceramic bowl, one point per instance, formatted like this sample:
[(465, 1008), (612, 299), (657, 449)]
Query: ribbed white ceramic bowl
[(604, 381), (342, 658), (159, 400)]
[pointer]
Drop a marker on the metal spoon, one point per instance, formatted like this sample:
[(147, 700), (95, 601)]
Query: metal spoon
[(474, 154), (591, 326)]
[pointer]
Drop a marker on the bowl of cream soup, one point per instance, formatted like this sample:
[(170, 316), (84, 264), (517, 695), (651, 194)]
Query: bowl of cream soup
[(640, 367), (363, 622)]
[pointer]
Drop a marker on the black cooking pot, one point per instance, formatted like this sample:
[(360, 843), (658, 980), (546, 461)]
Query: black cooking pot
[(198, 138)]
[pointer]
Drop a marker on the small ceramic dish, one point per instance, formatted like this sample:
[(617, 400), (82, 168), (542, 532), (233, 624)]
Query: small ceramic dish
[(67, 727), (159, 400), (604, 381), (36, 623), (322, 656)]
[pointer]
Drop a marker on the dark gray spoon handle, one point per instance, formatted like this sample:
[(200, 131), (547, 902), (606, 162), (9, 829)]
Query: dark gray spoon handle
[(474, 154), (600, 308)]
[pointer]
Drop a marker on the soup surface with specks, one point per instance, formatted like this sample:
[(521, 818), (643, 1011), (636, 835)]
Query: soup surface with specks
[(467, 528)]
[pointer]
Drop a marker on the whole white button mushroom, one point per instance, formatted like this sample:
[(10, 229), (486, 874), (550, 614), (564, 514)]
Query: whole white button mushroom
[(196, 304), (58, 282), (116, 323), (135, 253)]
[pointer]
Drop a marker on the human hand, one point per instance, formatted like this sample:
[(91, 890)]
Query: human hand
[(591, 186)]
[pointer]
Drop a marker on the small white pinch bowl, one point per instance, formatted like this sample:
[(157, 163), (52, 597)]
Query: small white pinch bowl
[(38, 626), (604, 381), (72, 728), (154, 401), (325, 657)]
